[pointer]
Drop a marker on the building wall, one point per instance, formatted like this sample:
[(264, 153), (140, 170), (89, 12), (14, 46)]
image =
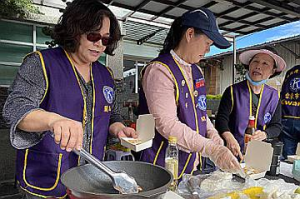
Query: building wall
[(211, 76), (289, 57), (144, 51), (226, 75)]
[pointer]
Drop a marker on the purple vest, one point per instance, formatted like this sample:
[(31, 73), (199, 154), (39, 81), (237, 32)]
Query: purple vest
[(240, 113), (191, 111), (290, 97), (40, 167)]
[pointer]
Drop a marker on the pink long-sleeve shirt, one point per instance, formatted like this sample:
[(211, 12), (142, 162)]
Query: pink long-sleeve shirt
[(159, 89)]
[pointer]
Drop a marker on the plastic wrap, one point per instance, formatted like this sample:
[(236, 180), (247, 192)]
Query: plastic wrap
[(206, 185), (221, 185), (278, 189)]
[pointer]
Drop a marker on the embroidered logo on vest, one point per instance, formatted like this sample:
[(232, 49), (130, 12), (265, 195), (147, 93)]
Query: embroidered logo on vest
[(109, 94), (202, 102), (267, 118), (295, 84)]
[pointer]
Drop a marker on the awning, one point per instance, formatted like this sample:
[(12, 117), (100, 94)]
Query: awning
[(238, 17)]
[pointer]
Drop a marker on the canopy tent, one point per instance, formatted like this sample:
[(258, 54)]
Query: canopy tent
[(237, 17)]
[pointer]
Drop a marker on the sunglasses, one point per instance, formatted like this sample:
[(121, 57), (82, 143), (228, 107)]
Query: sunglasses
[(94, 37)]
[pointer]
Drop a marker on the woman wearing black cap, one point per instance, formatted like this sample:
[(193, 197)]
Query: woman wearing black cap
[(173, 90), (252, 97)]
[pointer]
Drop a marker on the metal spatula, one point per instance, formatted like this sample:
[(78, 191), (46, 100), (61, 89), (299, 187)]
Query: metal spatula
[(122, 182)]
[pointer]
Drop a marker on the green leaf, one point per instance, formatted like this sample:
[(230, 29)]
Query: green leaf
[(17, 8)]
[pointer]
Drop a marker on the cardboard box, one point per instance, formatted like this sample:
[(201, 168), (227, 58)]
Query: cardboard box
[(292, 158), (258, 158), (145, 126)]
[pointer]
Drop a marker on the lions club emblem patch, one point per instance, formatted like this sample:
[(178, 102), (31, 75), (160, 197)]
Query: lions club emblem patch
[(109, 94), (202, 102)]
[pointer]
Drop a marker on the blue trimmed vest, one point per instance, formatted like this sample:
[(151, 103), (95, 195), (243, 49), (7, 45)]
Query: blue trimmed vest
[(39, 168), (290, 94), (191, 111), (242, 109)]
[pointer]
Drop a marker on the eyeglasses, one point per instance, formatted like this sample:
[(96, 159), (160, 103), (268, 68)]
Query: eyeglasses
[(94, 37)]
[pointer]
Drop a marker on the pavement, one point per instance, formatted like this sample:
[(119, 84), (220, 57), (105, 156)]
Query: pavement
[(7, 167), (8, 190)]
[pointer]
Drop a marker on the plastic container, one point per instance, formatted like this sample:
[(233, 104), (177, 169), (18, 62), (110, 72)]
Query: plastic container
[(296, 170)]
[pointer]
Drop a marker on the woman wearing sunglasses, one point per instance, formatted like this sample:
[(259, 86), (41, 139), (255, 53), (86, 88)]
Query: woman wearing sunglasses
[(63, 98)]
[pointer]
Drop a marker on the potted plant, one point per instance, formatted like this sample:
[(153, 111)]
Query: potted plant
[(212, 103)]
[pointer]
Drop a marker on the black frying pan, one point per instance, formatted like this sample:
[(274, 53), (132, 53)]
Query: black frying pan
[(89, 182)]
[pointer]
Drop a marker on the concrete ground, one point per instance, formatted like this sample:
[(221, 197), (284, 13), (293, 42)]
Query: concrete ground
[(8, 190), (7, 167)]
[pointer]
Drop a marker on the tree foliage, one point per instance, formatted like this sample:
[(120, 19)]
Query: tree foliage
[(17, 8), (241, 71)]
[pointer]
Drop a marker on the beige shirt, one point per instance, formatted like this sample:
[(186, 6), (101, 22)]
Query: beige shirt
[(159, 89)]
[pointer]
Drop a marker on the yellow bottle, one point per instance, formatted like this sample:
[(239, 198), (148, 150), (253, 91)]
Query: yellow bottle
[(171, 161)]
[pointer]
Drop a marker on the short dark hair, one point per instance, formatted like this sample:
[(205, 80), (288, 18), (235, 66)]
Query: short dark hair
[(82, 16), (175, 35), (273, 50)]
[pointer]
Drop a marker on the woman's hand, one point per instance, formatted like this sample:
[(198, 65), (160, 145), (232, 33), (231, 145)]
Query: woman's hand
[(127, 132), (232, 144), (68, 133), (222, 157), (119, 130), (259, 135)]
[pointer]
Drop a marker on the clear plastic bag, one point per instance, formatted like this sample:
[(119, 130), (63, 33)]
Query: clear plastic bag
[(206, 185), (222, 185), (275, 188)]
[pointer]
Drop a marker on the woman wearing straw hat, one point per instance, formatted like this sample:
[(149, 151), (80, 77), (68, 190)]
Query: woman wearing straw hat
[(252, 97)]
